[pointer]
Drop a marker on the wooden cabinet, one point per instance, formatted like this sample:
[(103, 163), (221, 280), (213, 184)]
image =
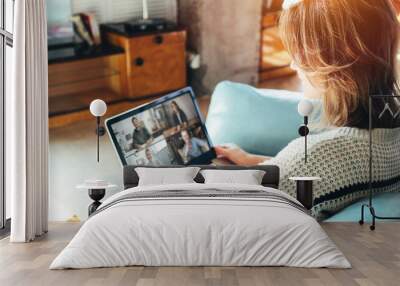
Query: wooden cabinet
[(78, 75), (155, 63)]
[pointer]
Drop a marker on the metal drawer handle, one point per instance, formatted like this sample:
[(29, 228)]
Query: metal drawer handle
[(139, 61), (158, 39)]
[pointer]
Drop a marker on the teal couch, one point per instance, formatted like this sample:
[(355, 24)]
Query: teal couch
[(260, 121), (386, 205)]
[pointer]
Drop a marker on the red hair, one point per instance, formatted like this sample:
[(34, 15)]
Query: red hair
[(347, 48)]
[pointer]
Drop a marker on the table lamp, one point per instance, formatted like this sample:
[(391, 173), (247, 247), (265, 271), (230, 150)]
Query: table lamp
[(98, 108)]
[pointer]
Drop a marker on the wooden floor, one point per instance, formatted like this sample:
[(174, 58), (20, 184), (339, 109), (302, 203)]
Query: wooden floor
[(375, 257)]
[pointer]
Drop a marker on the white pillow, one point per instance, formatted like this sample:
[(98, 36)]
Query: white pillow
[(247, 177), (166, 176)]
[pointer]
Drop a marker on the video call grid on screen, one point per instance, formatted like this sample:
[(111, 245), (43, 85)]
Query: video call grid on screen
[(168, 131)]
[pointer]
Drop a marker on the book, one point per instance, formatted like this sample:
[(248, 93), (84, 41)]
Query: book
[(86, 23), (93, 26), (81, 30)]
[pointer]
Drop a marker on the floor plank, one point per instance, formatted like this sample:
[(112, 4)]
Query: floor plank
[(375, 257)]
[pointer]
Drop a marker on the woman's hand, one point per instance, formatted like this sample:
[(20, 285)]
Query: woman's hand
[(238, 156)]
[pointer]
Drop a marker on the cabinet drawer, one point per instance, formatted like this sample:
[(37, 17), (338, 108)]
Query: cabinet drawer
[(158, 69), (142, 48), (138, 44)]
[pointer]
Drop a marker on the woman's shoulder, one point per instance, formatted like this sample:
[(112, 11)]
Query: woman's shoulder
[(325, 137), (333, 141), (353, 134), (320, 142), (339, 134)]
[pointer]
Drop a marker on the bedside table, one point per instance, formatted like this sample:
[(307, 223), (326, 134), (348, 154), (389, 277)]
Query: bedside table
[(304, 190), (96, 190)]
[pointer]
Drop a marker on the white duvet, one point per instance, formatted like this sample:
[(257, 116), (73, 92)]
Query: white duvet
[(200, 232)]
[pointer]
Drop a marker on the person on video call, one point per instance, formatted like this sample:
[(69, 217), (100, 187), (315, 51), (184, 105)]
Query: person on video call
[(141, 137), (179, 117), (193, 147), (151, 160)]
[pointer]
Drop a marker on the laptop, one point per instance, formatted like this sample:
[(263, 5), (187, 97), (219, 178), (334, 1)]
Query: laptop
[(167, 131)]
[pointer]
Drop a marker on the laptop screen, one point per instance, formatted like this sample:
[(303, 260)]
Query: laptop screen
[(168, 131)]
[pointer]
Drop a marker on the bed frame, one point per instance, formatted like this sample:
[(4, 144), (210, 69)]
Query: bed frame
[(271, 178)]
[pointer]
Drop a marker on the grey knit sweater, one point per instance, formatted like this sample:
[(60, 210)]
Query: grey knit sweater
[(341, 158)]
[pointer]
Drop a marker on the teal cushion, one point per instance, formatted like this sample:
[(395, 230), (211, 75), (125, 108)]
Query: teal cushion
[(386, 205), (259, 121)]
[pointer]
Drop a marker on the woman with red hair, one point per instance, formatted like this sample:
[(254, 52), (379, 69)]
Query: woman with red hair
[(344, 51)]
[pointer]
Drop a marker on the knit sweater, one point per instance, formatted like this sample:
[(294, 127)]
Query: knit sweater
[(341, 158)]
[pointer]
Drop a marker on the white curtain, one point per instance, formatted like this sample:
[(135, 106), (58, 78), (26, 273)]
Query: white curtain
[(27, 124)]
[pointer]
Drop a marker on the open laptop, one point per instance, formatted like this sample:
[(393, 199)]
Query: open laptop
[(167, 131)]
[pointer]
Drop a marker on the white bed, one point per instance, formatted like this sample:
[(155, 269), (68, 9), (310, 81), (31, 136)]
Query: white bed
[(207, 230)]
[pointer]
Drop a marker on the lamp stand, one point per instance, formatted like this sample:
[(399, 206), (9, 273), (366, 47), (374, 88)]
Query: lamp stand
[(305, 149), (303, 131), (100, 131), (369, 205), (98, 138)]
